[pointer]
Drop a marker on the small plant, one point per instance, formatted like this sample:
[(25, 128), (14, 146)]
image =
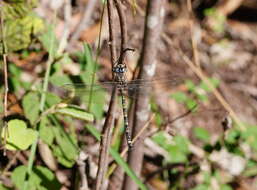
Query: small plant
[(198, 92), (216, 20)]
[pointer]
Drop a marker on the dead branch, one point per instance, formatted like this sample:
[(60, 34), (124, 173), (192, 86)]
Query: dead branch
[(106, 138), (84, 22), (153, 25), (82, 171)]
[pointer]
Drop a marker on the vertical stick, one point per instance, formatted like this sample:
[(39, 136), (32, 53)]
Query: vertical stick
[(153, 25), (106, 137)]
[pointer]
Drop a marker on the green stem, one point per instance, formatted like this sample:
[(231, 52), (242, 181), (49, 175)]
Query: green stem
[(30, 164), (47, 73), (42, 105), (96, 59)]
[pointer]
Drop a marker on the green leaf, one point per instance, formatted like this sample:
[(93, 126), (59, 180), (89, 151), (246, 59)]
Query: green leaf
[(176, 155), (60, 80), (218, 19), (201, 187), (250, 172), (2, 187), (127, 169), (250, 136), (202, 97), (86, 60), (207, 177), (97, 102), (46, 132), (76, 113), (30, 104), (40, 179), (201, 134), (191, 104), (190, 85), (47, 178), (13, 9), (62, 159), (215, 82), (232, 136), (93, 131), (180, 97), (158, 119), (49, 41), (15, 82), (52, 99), (59, 63), (67, 149), (19, 32), (177, 147), (19, 138), (251, 169), (225, 187), (160, 138), (18, 176), (90, 63), (182, 143)]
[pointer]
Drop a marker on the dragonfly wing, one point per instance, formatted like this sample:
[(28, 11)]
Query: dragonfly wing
[(139, 86), (81, 89)]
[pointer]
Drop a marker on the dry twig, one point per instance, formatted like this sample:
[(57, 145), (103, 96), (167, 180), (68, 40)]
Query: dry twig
[(106, 138), (153, 24), (84, 22), (67, 21), (82, 171), (198, 71)]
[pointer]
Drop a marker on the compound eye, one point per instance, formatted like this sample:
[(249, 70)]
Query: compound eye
[(116, 69)]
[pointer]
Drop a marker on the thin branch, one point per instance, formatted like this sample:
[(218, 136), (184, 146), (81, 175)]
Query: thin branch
[(115, 171), (223, 8), (153, 25), (84, 22), (193, 40), (182, 115), (82, 170), (47, 73), (229, 6), (106, 134), (10, 163), (105, 142), (118, 176), (112, 41), (123, 30), (124, 152), (66, 30), (216, 93)]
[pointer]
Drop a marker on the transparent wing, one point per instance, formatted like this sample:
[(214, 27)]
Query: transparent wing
[(133, 87), (81, 88)]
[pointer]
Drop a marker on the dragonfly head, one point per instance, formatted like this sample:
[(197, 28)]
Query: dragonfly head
[(119, 69)]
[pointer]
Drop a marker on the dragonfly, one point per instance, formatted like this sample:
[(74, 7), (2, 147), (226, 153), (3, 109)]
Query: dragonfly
[(132, 88)]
